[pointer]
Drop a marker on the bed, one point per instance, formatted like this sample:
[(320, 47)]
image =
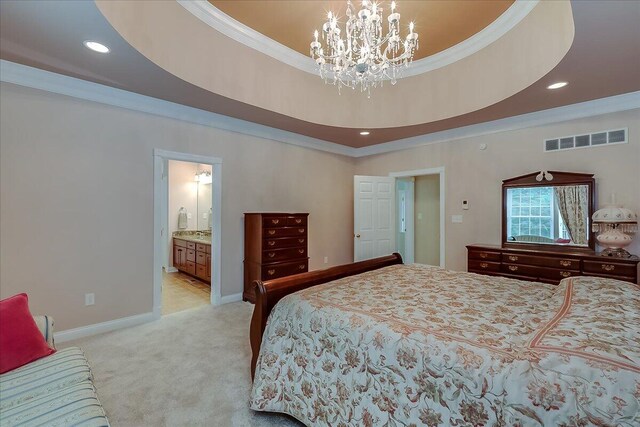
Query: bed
[(382, 343)]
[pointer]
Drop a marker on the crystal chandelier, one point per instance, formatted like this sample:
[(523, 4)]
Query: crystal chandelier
[(364, 56)]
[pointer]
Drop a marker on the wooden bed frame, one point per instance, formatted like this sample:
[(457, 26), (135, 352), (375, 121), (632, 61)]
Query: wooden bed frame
[(270, 292)]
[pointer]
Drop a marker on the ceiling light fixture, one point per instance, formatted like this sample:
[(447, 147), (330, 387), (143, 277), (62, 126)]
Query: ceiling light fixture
[(96, 47), (364, 133), (366, 56), (557, 85)]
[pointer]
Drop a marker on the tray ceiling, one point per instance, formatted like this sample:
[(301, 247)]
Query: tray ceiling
[(440, 23)]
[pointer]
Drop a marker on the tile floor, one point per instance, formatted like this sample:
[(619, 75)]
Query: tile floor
[(183, 292)]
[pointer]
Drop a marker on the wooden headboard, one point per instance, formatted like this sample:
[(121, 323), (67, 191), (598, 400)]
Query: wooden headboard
[(270, 292)]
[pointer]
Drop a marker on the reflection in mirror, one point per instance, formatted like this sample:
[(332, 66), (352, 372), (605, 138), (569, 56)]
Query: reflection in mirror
[(204, 207), (548, 215)]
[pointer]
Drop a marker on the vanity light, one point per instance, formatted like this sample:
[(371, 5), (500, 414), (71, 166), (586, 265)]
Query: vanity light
[(557, 85), (364, 133), (96, 46)]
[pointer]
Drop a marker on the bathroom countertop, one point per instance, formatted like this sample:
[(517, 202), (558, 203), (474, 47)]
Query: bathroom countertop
[(202, 240)]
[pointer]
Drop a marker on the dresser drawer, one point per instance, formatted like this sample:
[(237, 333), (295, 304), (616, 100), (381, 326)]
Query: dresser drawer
[(284, 232), (191, 245), (274, 221), (295, 221), (201, 258), (521, 270), (484, 255), (285, 269), (478, 265), (558, 274), (610, 268), (201, 248), (562, 263), (286, 242), (191, 255), (181, 243), (283, 254)]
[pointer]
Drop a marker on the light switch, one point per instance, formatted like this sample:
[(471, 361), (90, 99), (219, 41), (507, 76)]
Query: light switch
[(419, 215), (89, 299), (465, 205), (456, 218), (189, 215)]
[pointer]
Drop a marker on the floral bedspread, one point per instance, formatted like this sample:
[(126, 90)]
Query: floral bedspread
[(416, 345)]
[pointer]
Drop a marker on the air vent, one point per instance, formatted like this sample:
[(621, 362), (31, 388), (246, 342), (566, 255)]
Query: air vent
[(608, 137)]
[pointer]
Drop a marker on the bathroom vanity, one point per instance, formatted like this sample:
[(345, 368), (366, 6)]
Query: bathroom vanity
[(192, 255)]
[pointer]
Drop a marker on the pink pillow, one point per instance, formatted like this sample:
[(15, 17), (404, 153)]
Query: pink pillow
[(21, 341), (560, 240)]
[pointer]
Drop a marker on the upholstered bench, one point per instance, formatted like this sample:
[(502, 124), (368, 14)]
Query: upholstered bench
[(56, 390)]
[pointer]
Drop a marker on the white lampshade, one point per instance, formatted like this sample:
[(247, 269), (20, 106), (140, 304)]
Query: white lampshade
[(615, 214)]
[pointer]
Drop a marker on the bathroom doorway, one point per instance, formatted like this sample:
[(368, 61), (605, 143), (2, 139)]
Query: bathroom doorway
[(187, 220), (420, 216)]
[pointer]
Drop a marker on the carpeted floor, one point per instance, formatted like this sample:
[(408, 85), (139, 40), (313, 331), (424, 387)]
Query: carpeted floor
[(186, 369)]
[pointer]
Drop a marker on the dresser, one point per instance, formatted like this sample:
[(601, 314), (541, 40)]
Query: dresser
[(275, 245), (547, 266)]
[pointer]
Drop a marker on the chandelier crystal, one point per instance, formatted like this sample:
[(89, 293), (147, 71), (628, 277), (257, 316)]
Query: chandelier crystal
[(363, 55)]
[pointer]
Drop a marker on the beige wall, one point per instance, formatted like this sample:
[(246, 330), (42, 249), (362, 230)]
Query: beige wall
[(427, 219), (476, 175), (76, 204)]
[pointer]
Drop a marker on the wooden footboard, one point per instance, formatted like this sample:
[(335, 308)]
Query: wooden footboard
[(270, 292)]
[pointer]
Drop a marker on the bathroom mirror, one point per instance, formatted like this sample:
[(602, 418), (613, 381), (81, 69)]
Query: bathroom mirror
[(204, 207), (548, 208)]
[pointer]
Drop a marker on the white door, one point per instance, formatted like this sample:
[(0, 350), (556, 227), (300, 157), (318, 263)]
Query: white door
[(374, 216)]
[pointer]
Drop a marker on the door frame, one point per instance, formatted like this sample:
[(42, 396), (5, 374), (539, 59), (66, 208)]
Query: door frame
[(161, 226), (431, 171)]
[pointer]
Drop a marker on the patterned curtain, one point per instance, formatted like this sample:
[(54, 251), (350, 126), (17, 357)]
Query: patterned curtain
[(573, 204)]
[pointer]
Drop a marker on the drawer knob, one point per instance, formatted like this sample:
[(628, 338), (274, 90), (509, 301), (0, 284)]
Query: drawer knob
[(484, 265), (271, 272), (271, 254), (272, 232), (301, 251), (483, 255), (513, 258), (513, 267), (608, 267), (301, 240), (565, 273), (300, 230), (275, 221), (565, 263), (271, 243), (301, 267), (298, 220)]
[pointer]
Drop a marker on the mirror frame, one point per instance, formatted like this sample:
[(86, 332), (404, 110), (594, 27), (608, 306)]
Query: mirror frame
[(559, 179)]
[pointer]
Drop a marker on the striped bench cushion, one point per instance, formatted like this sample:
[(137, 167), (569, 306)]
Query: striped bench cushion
[(62, 369), (76, 405)]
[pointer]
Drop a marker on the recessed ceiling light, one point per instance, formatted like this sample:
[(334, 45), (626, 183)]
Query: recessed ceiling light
[(557, 85), (96, 47), (364, 133)]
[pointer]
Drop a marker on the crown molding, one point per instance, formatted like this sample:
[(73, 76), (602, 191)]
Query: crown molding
[(596, 107), (22, 75), (246, 35)]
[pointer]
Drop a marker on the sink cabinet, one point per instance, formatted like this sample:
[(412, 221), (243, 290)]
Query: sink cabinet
[(192, 258)]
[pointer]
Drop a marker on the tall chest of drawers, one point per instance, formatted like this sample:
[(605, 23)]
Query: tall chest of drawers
[(547, 266), (275, 245)]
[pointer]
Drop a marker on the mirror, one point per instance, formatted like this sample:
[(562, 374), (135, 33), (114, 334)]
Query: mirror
[(548, 208), (204, 208)]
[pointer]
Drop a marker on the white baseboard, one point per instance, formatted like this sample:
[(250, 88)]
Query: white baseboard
[(231, 298), (99, 328), (171, 269)]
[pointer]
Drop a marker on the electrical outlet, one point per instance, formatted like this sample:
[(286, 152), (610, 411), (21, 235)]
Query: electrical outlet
[(326, 260), (89, 299), (189, 215)]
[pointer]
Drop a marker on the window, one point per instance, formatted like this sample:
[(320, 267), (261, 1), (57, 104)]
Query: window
[(531, 212)]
